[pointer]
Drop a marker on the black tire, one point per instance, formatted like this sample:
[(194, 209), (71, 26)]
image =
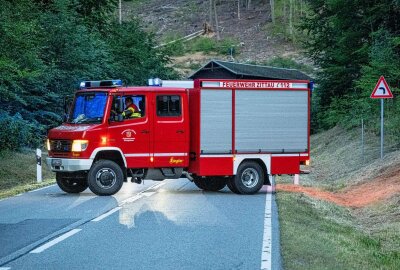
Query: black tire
[(199, 182), (210, 183), (231, 185), (249, 178), (71, 182), (105, 178)]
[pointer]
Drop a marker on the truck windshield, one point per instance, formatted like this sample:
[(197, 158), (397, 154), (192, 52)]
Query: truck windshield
[(88, 108)]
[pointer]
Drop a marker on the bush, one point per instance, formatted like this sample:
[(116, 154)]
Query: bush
[(16, 132)]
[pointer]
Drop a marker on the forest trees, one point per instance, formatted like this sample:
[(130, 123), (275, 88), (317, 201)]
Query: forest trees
[(353, 43), (48, 46)]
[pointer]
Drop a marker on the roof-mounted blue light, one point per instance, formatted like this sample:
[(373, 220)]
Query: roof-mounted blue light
[(154, 82), (105, 83)]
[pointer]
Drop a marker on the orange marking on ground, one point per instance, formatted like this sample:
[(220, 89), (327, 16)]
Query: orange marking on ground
[(361, 195)]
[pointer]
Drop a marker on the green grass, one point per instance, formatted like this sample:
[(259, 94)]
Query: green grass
[(320, 235), (201, 44), (18, 172)]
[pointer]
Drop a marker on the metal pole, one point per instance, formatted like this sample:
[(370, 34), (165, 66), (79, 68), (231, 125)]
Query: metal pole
[(38, 165), (382, 134)]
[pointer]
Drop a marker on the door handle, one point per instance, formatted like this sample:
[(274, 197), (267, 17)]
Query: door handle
[(145, 132), (179, 131)]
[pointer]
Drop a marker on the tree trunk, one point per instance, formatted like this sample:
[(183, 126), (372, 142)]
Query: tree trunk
[(291, 18), (272, 4), (248, 4), (284, 13), (238, 9), (210, 20), (216, 19)]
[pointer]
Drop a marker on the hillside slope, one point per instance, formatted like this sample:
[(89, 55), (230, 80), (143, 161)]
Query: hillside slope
[(167, 18)]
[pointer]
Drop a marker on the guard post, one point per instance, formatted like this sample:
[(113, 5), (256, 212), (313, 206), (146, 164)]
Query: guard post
[(38, 165)]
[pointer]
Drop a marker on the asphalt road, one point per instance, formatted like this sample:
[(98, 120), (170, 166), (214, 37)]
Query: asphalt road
[(157, 225)]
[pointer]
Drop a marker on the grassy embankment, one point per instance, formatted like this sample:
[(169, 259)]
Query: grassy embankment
[(318, 234), (18, 172)]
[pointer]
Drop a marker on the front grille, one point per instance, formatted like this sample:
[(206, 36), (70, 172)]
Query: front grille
[(60, 145)]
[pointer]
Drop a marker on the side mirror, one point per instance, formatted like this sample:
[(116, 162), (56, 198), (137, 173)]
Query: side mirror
[(120, 106), (68, 100)]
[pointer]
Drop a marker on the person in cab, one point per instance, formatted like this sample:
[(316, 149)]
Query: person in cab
[(131, 110)]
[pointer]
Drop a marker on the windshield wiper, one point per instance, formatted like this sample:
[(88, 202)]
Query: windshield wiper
[(87, 120)]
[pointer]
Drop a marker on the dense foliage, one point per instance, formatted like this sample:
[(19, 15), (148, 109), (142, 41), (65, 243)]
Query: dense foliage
[(48, 46), (354, 43)]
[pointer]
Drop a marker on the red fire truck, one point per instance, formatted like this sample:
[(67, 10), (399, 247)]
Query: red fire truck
[(214, 132)]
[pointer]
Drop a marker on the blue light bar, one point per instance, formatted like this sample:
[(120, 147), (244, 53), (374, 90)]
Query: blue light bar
[(154, 82), (105, 83)]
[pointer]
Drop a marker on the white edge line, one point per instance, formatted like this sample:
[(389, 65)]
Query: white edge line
[(40, 189), (5, 268), (103, 216), (55, 241), (266, 258)]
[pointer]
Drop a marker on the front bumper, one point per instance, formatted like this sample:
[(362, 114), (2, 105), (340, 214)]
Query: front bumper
[(68, 165)]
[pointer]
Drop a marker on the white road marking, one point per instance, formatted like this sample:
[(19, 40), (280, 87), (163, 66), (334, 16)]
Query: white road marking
[(103, 216), (131, 199), (41, 189), (157, 186), (5, 268), (144, 193), (266, 257), (55, 241), (148, 194)]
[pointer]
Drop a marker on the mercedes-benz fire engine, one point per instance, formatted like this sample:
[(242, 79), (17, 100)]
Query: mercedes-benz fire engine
[(214, 132)]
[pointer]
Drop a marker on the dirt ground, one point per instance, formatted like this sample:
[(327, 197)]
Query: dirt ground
[(183, 17), (360, 195)]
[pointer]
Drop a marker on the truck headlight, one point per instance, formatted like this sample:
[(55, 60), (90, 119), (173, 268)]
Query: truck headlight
[(79, 145), (48, 144)]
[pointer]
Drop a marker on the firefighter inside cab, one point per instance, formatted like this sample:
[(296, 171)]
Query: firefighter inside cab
[(131, 110)]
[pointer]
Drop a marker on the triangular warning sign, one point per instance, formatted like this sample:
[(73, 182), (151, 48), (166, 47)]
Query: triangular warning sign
[(382, 89)]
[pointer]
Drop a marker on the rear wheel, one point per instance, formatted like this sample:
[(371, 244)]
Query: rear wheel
[(231, 185), (249, 178), (71, 182), (199, 182), (210, 183), (105, 178)]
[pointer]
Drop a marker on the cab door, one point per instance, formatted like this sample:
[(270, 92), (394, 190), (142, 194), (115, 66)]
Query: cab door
[(132, 135), (171, 129)]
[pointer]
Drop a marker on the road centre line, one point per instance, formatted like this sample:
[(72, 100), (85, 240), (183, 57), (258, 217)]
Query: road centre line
[(148, 194), (55, 241), (157, 186), (97, 219), (129, 200), (106, 214), (266, 258)]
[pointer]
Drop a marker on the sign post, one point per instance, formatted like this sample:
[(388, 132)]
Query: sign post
[(382, 91)]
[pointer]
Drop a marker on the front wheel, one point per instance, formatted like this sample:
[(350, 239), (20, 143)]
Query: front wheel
[(105, 178), (71, 182), (249, 178)]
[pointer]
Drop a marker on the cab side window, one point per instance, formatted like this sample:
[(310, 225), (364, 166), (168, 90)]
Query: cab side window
[(169, 105), (134, 106)]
